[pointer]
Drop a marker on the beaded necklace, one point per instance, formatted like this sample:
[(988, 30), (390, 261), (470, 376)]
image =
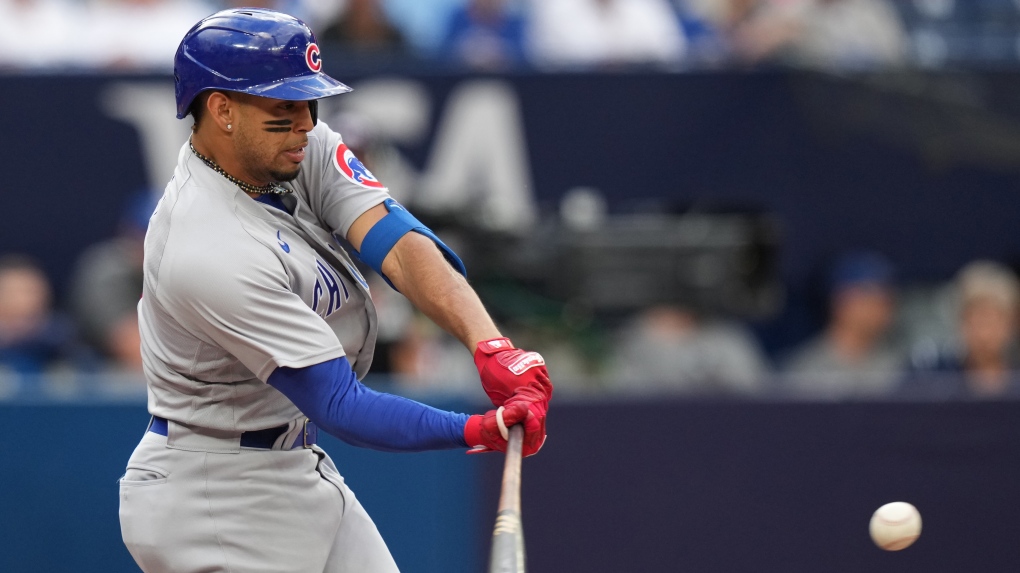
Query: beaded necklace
[(273, 188)]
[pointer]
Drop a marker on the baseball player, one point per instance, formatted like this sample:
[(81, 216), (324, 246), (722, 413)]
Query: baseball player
[(256, 325)]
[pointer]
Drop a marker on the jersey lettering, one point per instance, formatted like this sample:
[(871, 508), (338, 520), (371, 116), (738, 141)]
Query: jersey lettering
[(328, 284)]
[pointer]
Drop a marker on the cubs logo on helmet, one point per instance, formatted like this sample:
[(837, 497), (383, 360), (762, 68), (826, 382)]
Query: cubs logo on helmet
[(313, 58), (352, 168)]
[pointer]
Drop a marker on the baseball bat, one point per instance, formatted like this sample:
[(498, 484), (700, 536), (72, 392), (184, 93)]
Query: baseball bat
[(508, 535)]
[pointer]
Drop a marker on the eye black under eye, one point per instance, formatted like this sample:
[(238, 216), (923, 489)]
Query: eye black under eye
[(277, 125)]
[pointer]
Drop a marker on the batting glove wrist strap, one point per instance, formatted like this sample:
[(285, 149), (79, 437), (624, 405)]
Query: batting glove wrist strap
[(494, 346), (489, 432)]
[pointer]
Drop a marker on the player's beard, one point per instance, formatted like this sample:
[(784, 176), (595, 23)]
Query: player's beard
[(257, 160), (282, 176)]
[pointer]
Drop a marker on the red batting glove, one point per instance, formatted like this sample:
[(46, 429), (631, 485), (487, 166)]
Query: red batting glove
[(489, 432), (506, 371)]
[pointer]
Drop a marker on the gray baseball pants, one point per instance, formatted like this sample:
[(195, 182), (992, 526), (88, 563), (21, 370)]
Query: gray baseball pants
[(195, 503)]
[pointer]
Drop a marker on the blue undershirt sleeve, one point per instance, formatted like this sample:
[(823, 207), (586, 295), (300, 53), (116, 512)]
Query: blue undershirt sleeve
[(332, 397)]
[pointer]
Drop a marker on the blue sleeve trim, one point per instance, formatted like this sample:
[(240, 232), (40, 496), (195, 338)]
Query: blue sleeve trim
[(331, 396), (387, 231)]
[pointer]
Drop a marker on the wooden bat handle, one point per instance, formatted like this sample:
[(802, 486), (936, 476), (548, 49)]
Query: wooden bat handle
[(508, 535)]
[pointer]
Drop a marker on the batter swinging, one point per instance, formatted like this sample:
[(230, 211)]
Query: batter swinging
[(256, 325)]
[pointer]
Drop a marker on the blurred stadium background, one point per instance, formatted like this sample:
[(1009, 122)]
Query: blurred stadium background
[(768, 248)]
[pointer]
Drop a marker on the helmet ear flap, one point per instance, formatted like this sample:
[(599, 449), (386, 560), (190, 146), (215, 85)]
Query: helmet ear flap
[(313, 108)]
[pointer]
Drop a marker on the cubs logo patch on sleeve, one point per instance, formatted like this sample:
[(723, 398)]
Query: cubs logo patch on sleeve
[(353, 169)]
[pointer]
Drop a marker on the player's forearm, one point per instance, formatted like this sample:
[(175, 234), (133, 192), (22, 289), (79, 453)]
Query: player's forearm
[(331, 396), (417, 268)]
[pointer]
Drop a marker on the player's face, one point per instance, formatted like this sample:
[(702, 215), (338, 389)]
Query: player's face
[(271, 136)]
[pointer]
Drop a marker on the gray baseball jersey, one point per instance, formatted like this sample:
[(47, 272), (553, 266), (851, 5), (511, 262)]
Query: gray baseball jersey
[(235, 288)]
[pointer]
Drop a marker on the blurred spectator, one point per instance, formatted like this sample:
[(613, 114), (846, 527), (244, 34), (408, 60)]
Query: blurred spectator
[(39, 33), (604, 33), (316, 13), (396, 315), (984, 362), (703, 23), (427, 358), (413, 351), (418, 355), (107, 284), (669, 349), (829, 34), (33, 337), (422, 23), (853, 356), (120, 34), (572, 371), (485, 35), (364, 28), (135, 34)]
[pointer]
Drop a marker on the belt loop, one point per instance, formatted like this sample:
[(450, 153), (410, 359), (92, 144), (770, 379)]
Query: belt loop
[(304, 434)]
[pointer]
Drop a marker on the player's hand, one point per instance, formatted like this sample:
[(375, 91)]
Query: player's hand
[(489, 432), (506, 371)]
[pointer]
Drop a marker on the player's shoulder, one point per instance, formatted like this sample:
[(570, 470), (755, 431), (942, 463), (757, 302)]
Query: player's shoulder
[(322, 132), (211, 263), (223, 225), (322, 142), (214, 235)]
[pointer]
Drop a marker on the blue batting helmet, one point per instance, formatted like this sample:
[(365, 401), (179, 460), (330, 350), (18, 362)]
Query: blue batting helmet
[(253, 51)]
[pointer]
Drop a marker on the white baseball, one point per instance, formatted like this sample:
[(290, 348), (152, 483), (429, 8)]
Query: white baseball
[(895, 526)]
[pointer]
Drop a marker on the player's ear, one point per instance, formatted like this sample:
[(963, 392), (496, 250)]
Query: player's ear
[(222, 110)]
